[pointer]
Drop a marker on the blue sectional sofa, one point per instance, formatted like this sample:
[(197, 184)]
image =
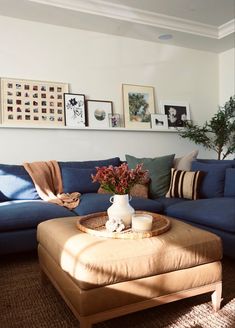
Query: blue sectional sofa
[(21, 209)]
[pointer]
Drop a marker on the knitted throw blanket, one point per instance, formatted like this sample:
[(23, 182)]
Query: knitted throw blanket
[(48, 183)]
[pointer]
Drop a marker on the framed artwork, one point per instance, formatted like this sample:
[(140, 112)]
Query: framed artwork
[(114, 121), (138, 103), (177, 113), (27, 102), (159, 121), (74, 107), (98, 112)]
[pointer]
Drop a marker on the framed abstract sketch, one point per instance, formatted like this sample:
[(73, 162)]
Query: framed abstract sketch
[(177, 113), (159, 122), (138, 103), (98, 112), (75, 113), (27, 102)]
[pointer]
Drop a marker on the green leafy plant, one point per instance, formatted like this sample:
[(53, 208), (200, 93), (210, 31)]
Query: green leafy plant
[(218, 134)]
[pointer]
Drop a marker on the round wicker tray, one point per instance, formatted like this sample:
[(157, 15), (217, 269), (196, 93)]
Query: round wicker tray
[(94, 224)]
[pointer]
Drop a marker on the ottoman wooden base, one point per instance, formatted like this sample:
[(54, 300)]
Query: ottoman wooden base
[(99, 303)]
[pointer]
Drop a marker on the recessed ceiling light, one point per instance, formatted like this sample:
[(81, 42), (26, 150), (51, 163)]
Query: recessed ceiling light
[(165, 37)]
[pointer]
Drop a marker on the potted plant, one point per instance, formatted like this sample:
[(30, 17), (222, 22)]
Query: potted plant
[(218, 134)]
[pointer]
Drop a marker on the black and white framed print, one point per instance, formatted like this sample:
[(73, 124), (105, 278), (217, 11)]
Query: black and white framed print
[(177, 113), (159, 122), (98, 112), (75, 111)]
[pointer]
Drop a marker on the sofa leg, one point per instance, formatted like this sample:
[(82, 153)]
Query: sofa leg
[(216, 297)]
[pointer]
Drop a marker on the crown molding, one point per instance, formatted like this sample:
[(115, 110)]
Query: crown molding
[(226, 29), (133, 15)]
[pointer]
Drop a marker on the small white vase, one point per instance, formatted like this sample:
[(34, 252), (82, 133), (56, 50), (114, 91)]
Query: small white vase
[(121, 209)]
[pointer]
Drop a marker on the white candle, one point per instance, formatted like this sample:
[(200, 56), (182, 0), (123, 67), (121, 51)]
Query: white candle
[(142, 222)]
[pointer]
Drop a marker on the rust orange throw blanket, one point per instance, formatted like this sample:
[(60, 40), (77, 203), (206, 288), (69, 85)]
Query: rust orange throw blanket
[(48, 183)]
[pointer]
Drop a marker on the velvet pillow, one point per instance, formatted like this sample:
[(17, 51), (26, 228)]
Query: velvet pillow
[(185, 163), (159, 172), (184, 184), (213, 182), (229, 187)]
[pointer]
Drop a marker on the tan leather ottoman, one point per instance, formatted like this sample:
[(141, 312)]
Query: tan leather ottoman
[(103, 278)]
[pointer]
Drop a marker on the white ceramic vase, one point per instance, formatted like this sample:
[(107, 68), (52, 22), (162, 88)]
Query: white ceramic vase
[(121, 209)]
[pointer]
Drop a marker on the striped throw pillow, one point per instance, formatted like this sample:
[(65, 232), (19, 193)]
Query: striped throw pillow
[(184, 184)]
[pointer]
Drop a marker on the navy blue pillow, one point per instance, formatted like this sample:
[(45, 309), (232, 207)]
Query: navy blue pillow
[(16, 184), (213, 183), (75, 179), (229, 187), (91, 164)]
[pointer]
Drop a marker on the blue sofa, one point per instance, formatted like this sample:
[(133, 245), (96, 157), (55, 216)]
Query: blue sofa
[(21, 209)]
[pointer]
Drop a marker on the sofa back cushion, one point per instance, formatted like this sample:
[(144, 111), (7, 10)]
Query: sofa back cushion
[(229, 187), (16, 184), (213, 182), (76, 176), (78, 180), (91, 164)]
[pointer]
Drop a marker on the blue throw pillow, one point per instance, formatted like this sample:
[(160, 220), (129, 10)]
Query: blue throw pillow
[(16, 184), (213, 181), (75, 179), (229, 187)]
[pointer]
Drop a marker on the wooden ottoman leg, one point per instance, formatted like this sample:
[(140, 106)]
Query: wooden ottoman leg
[(85, 324), (216, 297)]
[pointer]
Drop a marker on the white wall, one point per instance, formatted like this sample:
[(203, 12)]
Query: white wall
[(97, 64), (226, 75)]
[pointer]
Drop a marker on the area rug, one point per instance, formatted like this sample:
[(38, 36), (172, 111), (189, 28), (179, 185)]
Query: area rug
[(24, 303)]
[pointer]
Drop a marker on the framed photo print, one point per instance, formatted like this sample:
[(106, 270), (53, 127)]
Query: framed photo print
[(75, 113), (138, 103), (114, 121), (177, 113), (159, 122), (98, 112), (34, 103)]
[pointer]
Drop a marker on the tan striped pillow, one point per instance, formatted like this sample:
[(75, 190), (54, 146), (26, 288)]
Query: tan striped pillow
[(184, 184)]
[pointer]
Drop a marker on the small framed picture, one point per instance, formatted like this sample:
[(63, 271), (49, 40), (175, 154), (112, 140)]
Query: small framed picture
[(114, 121), (177, 113), (159, 121), (98, 112), (75, 112), (138, 103)]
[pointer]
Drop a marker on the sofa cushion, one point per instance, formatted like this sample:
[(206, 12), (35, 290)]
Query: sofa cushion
[(184, 184), (218, 213), (159, 171), (213, 181), (229, 187), (166, 202), (93, 202), (216, 161), (91, 164), (75, 179), (16, 184), (19, 215)]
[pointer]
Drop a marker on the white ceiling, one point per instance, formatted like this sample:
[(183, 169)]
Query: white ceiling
[(200, 24)]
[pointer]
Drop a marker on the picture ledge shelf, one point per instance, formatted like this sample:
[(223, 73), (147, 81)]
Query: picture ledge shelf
[(41, 127)]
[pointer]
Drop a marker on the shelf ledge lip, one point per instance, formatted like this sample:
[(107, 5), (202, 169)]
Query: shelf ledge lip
[(43, 127)]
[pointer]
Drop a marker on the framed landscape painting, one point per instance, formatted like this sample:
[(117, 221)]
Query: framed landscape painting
[(138, 103), (177, 113)]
